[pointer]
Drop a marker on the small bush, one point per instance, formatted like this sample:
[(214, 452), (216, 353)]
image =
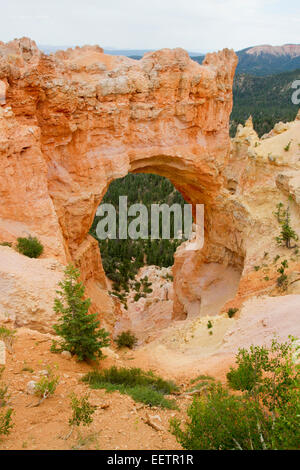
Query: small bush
[(202, 377), (146, 285), (137, 286), (46, 386), (231, 312), (138, 296), (202, 382), (264, 416), (6, 244), (144, 387), (277, 257), (282, 280), (151, 397), (3, 391), (82, 411), (5, 415), (287, 148), (287, 234), (6, 421), (126, 340), (30, 247), (7, 336), (218, 422)]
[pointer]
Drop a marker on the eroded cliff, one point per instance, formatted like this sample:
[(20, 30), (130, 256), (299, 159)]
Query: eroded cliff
[(72, 122)]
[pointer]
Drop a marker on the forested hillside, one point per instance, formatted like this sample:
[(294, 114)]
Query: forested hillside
[(267, 99), (123, 258)]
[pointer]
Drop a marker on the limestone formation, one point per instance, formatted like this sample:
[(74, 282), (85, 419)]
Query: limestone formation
[(74, 121)]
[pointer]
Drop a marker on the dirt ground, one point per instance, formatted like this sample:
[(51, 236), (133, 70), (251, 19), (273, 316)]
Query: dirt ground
[(120, 424), (183, 351)]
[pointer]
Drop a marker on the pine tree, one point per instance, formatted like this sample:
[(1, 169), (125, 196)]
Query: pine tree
[(287, 233), (78, 329)]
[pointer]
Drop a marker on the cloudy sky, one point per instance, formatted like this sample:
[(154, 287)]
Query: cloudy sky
[(196, 25)]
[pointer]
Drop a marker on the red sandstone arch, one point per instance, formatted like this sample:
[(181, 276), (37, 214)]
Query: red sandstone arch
[(78, 119)]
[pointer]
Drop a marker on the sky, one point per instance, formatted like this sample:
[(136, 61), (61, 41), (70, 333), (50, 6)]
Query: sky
[(195, 25)]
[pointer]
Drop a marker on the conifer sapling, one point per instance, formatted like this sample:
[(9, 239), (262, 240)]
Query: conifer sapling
[(78, 329)]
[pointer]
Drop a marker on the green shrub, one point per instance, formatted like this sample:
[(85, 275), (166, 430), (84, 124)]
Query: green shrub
[(249, 371), (6, 421), (82, 411), (138, 296), (46, 386), (144, 387), (78, 329), (146, 285), (266, 414), (287, 233), (287, 148), (202, 382), (137, 286), (6, 244), (5, 414), (126, 340), (150, 397), (282, 280), (202, 377), (232, 311), (30, 247), (7, 336), (219, 421), (3, 391)]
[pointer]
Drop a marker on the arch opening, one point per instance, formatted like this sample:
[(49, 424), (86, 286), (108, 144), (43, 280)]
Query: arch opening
[(140, 273)]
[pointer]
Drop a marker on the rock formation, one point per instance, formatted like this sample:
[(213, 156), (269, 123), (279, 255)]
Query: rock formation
[(72, 122)]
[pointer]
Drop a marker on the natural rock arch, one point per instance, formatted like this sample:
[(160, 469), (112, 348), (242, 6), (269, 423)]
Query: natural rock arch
[(76, 120)]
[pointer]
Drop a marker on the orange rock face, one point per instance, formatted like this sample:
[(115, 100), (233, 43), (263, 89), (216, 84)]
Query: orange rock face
[(72, 122)]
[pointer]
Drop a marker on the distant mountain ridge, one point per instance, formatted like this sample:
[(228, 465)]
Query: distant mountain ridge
[(267, 60), (292, 50)]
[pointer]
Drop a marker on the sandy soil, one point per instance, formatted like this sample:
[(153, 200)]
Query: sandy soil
[(184, 350), (120, 426)]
